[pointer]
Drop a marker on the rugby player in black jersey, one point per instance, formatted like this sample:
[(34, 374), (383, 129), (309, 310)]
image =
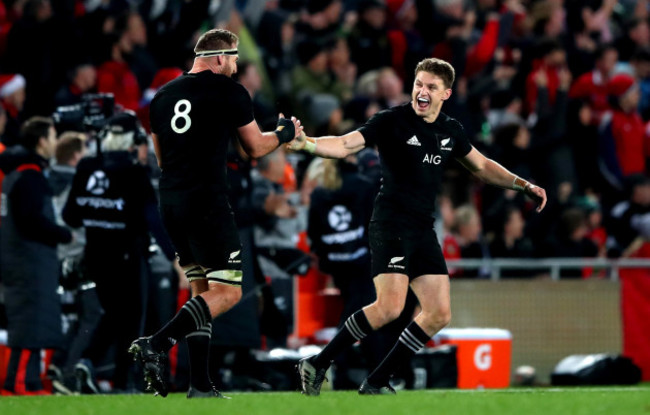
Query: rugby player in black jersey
[(192, 120), (415, 141)]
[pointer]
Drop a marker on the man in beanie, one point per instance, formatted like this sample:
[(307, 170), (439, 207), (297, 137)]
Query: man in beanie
[(12, 99), (622, 136)]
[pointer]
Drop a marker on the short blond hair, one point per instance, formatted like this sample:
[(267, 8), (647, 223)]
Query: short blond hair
[(440, 68), (216, 39)]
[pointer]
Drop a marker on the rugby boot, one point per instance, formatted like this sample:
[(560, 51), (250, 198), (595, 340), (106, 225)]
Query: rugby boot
[(213, 393), (311, 379), (368, 389), (86, 383), (154, 364)]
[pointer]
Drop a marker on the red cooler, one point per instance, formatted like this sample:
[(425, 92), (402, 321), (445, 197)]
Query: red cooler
[(483, 356)]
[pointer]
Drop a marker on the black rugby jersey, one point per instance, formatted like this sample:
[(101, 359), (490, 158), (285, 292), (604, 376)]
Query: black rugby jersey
[(194, 117), (413, 154)]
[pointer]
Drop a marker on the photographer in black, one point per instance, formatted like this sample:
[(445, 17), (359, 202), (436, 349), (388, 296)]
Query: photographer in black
[(112, 197)]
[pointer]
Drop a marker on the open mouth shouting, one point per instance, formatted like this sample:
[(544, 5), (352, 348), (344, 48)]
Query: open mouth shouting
[(423, 103)]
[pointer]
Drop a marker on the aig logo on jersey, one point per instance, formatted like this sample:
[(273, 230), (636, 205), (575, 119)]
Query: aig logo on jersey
[(97, 183), (432, 159)]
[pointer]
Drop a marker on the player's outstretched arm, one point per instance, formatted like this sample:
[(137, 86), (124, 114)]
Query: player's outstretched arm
[(495, 174), (336, 147), (258, 144)]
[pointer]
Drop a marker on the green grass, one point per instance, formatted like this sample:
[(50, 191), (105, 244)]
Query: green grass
[(538, 401)]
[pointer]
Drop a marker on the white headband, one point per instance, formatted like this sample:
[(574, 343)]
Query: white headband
[(210, 53)]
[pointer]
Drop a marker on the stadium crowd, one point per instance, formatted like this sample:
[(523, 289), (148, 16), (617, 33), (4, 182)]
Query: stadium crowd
[(555, 90)]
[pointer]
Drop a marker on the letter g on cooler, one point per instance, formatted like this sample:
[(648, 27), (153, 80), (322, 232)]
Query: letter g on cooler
[(483, 357)]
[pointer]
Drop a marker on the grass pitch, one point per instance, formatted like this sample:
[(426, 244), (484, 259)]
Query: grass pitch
[(537, 401)]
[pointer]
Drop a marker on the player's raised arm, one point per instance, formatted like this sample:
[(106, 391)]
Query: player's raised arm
[(337, 147), (257, 144), (495, 174)]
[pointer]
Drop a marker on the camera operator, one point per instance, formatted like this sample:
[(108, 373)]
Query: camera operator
[(112, 197)]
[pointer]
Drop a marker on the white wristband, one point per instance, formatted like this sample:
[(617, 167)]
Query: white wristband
[(310, 145)]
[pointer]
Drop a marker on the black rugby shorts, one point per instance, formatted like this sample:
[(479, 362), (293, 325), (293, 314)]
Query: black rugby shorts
[(205, 235), (396, 249)]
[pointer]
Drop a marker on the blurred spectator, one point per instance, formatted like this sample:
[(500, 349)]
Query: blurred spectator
[(39, 48), (570, 240), (12, 99), (582, 135), (547, 19), (3, 125), (640, 65), (505, 110), (592, 86), (511, 149), (276, 237), (163, 76), (447, 15), (622, 141), (140, 60), (114, 74), (66, 371), (340, 64), (369, 43), (545, 72), (29, 264), (630, 218), (406, 42), (249, 77), (510, 241), (278, 51), (70, 149), (390, 89), (549, 129), (339, 215), (323, 18), (82, 80), (112, 198), (316, 92), (589, 32), (468, 232), (636, 34), (444, 226), (596, 231)]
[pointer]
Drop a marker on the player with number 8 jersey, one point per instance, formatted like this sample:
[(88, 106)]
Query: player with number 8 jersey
[(193, 118)]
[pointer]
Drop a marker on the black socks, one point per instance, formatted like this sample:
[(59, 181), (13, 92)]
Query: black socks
[(356, 327), (193, 316), (412, 339)]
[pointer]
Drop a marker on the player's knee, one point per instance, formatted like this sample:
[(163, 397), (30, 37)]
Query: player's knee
[(390, 310), (232, 297)]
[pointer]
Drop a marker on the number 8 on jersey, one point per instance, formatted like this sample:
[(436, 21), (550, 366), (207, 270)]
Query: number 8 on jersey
[(184, 115)]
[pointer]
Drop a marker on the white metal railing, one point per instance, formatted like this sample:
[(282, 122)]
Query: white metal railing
[(554, 265)]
